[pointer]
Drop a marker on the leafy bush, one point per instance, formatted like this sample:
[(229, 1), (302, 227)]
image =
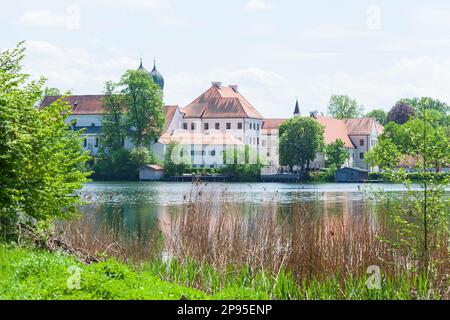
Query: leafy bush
[(122, 164), (42, 164)]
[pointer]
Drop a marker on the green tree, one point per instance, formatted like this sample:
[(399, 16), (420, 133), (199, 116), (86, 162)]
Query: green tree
[(113, 119), (401, 113), (379, 114), (145, 114), (52, 92), (422, 224), (418, 104), (344, 107), (41, 159), (242, 164), (300, 141), (336, 154)]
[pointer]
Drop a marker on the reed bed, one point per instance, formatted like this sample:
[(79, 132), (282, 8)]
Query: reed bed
[(298, 252)]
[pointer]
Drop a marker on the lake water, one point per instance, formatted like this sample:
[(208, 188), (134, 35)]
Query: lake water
[(135, 212), (160, 194), (134, 209)]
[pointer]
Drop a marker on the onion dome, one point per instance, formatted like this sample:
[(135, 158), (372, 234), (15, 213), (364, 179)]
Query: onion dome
[(141, 68), (157, 77)]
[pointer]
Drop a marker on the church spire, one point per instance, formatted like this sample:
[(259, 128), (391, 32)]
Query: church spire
[(297, 109)]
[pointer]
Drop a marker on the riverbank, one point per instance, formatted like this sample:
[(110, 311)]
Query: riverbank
[(39, 275)]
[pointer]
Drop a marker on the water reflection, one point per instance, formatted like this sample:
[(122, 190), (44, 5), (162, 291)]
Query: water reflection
[(139, 212)]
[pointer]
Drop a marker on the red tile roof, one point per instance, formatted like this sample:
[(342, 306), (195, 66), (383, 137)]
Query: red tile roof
[(221, 102), (335, 129), (169, 112), (81, 105), (271, 124), (92, 105), (361, 126)]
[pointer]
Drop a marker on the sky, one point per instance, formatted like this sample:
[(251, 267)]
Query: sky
[(375, 51)]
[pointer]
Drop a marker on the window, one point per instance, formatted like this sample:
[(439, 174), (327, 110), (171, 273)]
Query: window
[(361, 156), (192, 153), (361, 142), (228, 126), (257, 127), (92, 124), (192, 126), (185, 126), (206, 126), (85, 143), (263, 142), (268, 154), (239, 126), (257, 141), (212, 153), (96, 142), (217, 126)]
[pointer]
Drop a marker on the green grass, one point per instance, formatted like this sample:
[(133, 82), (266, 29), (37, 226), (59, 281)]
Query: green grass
[(242, 283), (28, 274), (40, 275)]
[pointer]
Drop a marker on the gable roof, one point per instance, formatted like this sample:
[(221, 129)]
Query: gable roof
[(221, 102), (153, 167), (335, 129), (272, 124), (362, 126), (92, 105), (81, 105), (169, 112)]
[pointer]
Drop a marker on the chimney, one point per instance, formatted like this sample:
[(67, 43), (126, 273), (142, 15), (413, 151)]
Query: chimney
[(235, 87), (217, 84), (314, 114)]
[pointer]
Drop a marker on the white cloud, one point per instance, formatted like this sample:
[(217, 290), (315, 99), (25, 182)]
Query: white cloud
[(412, 44), (409, 77), (334, 31), (258, 5), (74, 68), (274, 95), (270, 92), (434, 17), (132, 4), (261, 29), (70, 20), (276, 53), (171, 20)]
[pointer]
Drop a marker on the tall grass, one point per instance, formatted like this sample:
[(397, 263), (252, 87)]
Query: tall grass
[(267, 251)]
